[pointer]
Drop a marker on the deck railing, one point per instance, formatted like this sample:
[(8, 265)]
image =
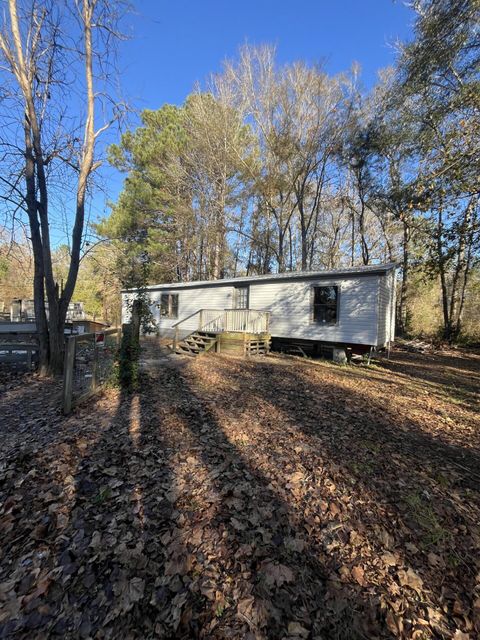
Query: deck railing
[(220, 320), (246, 320), (211, 320)]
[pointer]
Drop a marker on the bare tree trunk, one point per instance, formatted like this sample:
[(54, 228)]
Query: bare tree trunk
[(290, 248), (352, 239), (460, 267), (30, 51), (57, 319), (23, 60), (281, 251), (447, 328), (304, 241), (36, 240), (466, 276), (16, 57), (363, 241), (403, 314)]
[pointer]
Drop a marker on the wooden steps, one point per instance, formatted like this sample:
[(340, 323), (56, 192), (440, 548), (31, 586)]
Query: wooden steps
[(196, 343), (199, 342)]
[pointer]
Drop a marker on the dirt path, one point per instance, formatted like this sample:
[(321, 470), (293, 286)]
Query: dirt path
[(270, 498)]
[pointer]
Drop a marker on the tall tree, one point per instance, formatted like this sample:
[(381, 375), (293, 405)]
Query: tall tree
[(184, 187), (51, 51), (298, 114), (439, 72)]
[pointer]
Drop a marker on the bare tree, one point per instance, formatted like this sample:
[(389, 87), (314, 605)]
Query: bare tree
[(53, 55), (255, 87), (313, 104)]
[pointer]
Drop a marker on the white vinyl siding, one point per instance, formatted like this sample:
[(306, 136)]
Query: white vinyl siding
[(365, 307), (386, 303), (189, 301), (290, 305)]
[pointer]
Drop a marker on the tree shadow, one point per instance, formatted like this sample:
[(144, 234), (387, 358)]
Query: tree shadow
[(39, 459), (415, 494), (256, 572), (451, 375), (173, 533), (250, 500), (113, 554)]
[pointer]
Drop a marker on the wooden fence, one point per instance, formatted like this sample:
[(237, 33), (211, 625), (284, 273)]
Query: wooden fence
[(89, 363), (18, 348)]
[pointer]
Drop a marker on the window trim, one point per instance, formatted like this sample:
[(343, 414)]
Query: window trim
[(338, 287), (235, 289), (169, 315)]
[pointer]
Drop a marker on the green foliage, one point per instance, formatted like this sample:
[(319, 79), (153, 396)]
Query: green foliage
[(424, 515), (140, 220), (141, 321), (181, 183)]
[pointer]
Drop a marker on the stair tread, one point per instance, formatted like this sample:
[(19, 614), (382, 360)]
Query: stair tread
[(196, 343)]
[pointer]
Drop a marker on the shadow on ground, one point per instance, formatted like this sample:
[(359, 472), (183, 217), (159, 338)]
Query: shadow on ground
[(246, 499)]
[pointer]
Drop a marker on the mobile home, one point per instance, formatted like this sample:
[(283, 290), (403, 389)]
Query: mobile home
[(344, 308)]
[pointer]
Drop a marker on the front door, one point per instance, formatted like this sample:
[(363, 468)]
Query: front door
[(239, 315)]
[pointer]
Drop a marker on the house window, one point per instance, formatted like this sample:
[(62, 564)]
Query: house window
[(325, 305), (241, 298), (169, 305)]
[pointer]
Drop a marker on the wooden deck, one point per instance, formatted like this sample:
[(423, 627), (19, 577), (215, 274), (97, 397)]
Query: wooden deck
[(239, 330), (243, 342)]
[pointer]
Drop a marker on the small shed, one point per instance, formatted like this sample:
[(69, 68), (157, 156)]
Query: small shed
[(350, 308)]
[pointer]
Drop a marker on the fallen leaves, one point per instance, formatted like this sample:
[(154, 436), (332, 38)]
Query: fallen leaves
[(277, 574), (314, 501), (358, 575), (410, 579), (389, 559), (295, 629)]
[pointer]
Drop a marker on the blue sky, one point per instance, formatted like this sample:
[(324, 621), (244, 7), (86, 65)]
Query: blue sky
[(175, 44)]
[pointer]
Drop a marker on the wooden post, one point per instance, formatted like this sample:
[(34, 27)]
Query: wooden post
[(175, 339), (200, 322), (68, 375), (95, 363)]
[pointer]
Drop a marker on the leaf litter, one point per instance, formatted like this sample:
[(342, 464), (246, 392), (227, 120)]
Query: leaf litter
[(235, 498)]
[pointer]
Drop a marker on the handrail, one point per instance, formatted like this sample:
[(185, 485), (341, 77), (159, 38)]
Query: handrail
[(187, 318), (192, 315), (215, 324), (245, 320)]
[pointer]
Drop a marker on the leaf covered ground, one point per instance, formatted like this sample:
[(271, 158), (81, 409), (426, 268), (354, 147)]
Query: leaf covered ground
[(231, 498)]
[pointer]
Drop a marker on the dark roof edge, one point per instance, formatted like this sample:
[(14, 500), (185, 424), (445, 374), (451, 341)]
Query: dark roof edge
[(273, 277)]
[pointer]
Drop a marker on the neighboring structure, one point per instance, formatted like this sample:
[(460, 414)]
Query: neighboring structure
[(348, 308), (18, 332), (78, 327), (24, 311)]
